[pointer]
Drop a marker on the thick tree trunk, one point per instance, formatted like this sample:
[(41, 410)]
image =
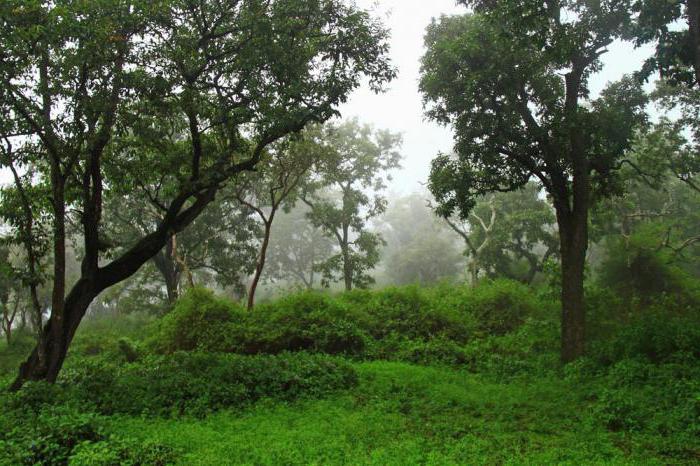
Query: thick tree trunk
[(693, 12), (55, 349), (574, 243), (261, 263)]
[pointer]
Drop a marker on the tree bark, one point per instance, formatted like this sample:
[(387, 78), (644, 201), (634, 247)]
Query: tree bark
[(693, 12), (574, 244)]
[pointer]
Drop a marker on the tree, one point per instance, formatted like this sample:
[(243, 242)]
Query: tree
[(274, 186), (8, 290), (420, 248), (677, 60), (86, 85), (353, 172), (512, 81), (297, 248), (523, 237), (656, 208)]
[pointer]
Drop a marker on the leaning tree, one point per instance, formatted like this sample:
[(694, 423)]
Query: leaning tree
[(512, 79), (190, 90)]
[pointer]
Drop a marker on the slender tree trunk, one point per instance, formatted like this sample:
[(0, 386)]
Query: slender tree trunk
[(261, 262), (473, 273), (347, 268), (347, 259)]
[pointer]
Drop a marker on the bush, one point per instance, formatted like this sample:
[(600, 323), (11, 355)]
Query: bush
[(102, 334), (199, 321), (123, 453), (199, 383), (407, 323), (501, 306), (304, 322), (413, 313), (43, 434), (654, 335)]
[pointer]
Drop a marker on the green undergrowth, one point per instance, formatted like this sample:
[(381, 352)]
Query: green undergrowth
[(409, 375), (403, 414)]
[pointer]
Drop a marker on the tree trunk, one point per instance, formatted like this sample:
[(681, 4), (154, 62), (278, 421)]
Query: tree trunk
[(347, 269), (261, 263), (168, 268), (56, 336), (574, 243), (55, 349), (693, 12)]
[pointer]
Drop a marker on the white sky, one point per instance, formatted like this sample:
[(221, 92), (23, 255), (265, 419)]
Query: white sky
[(400, 109)]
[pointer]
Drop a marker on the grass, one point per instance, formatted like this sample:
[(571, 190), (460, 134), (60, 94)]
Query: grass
[(402, 414)]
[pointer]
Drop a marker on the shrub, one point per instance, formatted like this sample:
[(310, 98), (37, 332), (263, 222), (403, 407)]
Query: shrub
[(198, 321), (199, 383), (102, 334), (122, 452), (46, 435), (411, 313), (501, 306), (654, 335), (304, 322)]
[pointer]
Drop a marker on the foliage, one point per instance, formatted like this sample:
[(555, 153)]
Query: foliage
[(297, 248), (199, 321), (164, 101), (353, 171), (38, 430), (200, 383)]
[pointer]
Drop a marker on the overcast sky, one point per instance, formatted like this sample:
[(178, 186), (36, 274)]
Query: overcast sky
[(400, 109)]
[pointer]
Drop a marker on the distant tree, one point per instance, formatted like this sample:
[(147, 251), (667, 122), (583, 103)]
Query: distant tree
[(9, 293), (273, 186), (420, 248), (656, 208), (297, 248), (512, 79), (87, 85), (524, 236), (353, 172)]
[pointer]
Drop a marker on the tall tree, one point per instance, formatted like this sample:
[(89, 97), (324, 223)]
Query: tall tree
[(512, 79), (353, 172), (274, 186), (86, 84)]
